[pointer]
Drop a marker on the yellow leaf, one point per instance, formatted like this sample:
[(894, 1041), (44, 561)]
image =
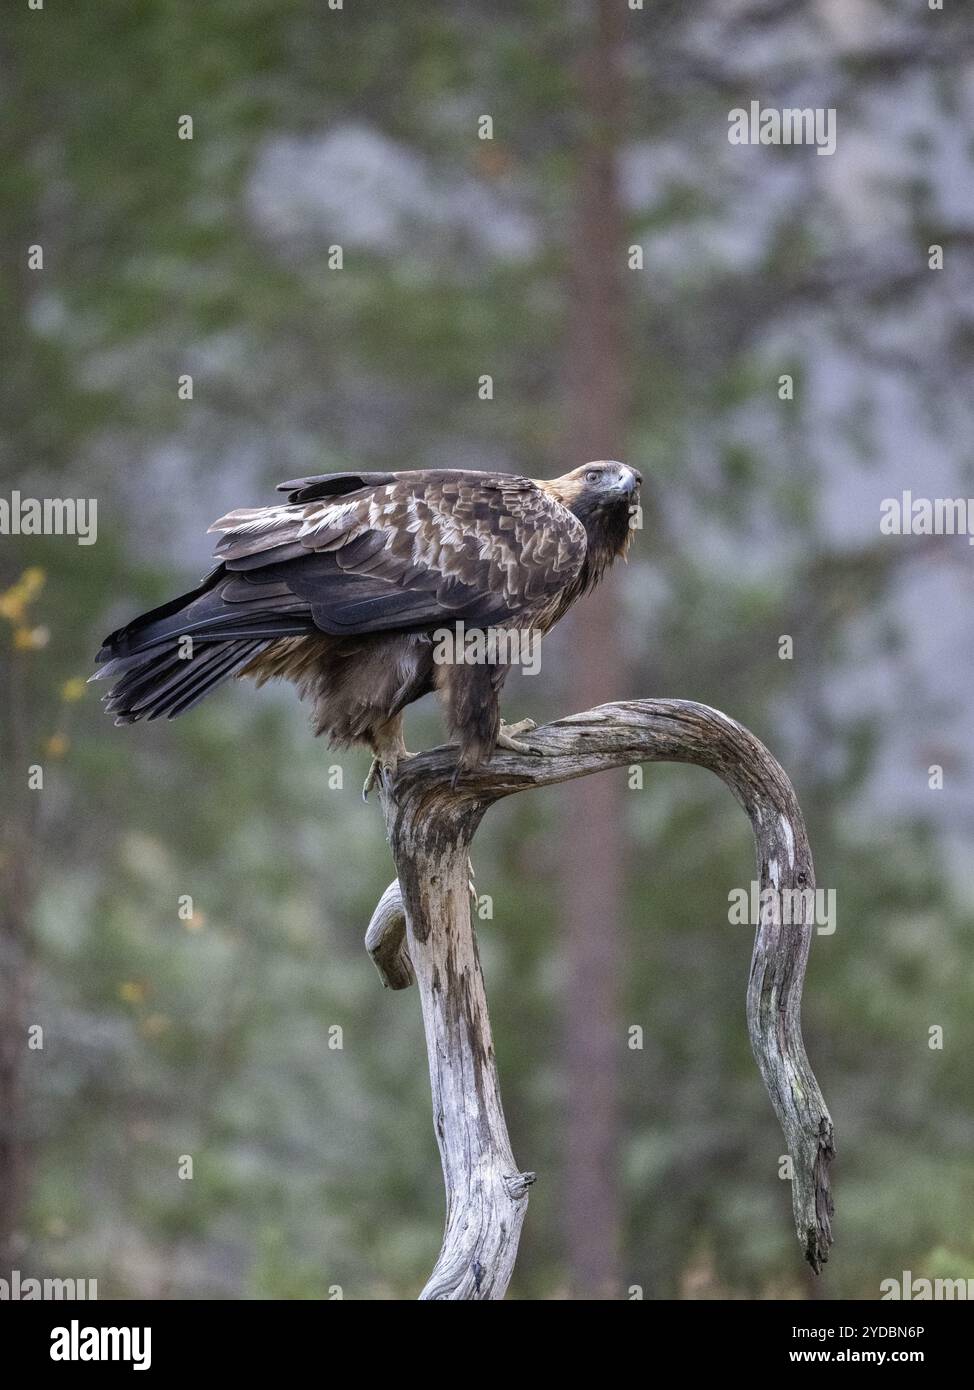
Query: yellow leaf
[(131, 991), (31, 639), (32, 581), (73, 689), (12, 605), (14, 601)]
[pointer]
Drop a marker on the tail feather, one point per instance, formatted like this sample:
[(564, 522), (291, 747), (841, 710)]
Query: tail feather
[(214, 678), (229, 625), (235, 656), (160, 673), (151, 686)]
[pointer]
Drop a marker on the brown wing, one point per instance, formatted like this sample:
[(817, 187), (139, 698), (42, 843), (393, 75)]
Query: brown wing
[(406, 551)]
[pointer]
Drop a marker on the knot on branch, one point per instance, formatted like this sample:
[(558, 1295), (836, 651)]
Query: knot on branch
[(517, 1184), (385, 940)]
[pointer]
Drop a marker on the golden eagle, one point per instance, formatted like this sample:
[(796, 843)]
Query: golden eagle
[(343, 588)]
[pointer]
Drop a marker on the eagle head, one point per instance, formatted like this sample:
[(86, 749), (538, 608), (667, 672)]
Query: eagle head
[(604, 496)]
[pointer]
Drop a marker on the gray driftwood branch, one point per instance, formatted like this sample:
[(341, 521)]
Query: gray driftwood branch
[(422, 930)]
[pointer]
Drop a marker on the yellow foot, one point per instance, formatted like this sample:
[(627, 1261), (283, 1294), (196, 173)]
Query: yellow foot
[(381, 767), (506, 739), (371, 779)]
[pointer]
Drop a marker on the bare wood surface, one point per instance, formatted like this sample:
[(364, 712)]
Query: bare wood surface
[(422, 928), (385, 940)]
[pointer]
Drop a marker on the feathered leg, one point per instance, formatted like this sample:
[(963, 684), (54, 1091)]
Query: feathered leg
[(473, 707), (473, 712)]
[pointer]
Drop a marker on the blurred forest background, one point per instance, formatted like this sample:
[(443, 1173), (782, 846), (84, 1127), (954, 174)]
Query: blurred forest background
[(210, 1032)]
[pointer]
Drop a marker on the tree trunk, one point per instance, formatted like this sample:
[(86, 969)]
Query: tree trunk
[(591, 833)]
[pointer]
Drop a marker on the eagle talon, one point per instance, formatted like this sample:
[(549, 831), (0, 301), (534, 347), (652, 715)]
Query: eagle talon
[(373, 776), (513, 745), (523, 726), (383, 767), (506, 739)]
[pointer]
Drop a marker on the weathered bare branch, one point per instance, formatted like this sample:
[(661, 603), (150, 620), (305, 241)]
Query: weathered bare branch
[(422, 928)]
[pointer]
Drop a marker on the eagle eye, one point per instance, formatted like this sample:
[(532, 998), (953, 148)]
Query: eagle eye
[(593, 475)]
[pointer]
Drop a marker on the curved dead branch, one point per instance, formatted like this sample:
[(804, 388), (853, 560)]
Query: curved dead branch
[(422, 930)]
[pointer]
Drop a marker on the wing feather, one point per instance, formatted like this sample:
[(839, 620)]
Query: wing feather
[(369, 552)]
